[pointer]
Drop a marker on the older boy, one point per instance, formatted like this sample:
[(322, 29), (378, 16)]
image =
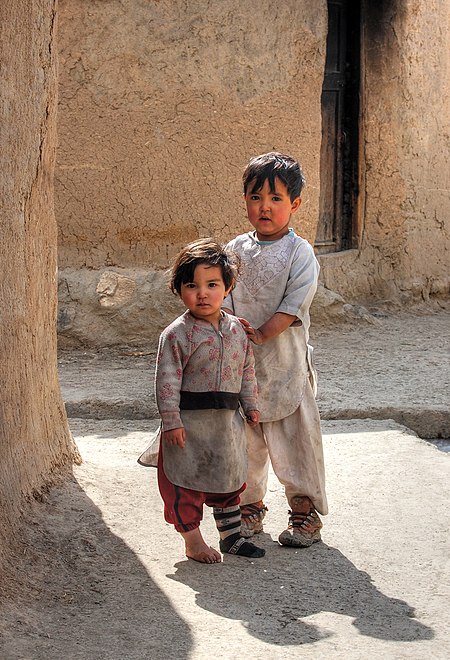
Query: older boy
[(272, 296)]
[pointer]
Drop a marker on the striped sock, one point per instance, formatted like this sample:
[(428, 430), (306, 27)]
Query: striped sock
[(228, 521)]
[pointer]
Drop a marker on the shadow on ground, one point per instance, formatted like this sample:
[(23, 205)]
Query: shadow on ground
[(80, 592), (276, 603)]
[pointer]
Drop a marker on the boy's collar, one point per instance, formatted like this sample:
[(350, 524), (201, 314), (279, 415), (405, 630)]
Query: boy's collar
[(291, 232)]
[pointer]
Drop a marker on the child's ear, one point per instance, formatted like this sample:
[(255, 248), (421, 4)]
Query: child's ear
[(230, 288), (295, 204)]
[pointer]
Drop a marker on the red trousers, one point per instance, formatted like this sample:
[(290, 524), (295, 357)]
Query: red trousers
[(183, 507)]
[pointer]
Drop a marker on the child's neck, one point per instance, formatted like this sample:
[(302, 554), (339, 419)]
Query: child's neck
[(268, 242), (215, 322)]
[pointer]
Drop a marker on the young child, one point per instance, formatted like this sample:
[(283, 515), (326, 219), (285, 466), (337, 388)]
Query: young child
[(204, 376), (273, 293)]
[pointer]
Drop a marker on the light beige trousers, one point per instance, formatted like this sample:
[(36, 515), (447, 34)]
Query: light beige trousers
[(294, 447)]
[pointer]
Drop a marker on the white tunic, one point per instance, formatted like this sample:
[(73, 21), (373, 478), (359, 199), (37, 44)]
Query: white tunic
[(277, 277)]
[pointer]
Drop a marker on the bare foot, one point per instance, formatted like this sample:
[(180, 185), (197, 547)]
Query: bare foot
[(197, 549)]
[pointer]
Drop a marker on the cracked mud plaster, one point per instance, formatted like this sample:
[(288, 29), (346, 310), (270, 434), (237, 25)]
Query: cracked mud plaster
[(153, 140)]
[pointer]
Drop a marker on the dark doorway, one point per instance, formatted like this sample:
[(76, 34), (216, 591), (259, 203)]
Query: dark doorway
[(340, 129)]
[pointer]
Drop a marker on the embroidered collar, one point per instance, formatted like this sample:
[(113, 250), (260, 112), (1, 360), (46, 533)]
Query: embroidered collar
[(291, 232)]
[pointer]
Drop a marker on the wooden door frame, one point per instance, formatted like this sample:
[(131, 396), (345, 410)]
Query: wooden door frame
[(351, 207)]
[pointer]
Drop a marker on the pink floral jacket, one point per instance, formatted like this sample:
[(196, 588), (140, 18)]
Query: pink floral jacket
[(193, 357)]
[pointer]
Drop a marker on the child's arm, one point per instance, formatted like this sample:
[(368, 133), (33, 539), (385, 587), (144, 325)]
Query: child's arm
[(273, 327), (252, 417), (168, 377), (249, 388), (175, 437)]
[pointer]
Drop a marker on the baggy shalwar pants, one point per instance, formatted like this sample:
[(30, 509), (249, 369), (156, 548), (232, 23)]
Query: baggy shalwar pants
[(294, 447)]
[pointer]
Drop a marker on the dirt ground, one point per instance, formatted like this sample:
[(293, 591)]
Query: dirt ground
[(396, 367), (100, 575)]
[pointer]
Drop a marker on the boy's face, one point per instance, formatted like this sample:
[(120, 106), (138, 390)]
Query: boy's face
[(204, 295), (270, 212)]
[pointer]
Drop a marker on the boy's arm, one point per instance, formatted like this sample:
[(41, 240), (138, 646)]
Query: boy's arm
[(273, 327), (294, 308), (302, 283)]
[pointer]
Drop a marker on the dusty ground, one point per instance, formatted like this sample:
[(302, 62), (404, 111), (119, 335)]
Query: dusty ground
[(101, 576), (397, 368)]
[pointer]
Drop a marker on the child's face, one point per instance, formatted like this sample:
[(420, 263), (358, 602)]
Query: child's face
[(204, 296), (268, 212)]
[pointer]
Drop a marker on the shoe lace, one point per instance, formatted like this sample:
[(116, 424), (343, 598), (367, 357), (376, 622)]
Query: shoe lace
[(302, 519), (251, 510)]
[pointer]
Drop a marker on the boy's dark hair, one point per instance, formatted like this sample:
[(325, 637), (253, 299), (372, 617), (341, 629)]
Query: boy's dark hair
[(271, 165), (204, 251)]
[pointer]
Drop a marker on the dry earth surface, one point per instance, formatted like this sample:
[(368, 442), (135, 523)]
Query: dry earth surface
[(99, 575)]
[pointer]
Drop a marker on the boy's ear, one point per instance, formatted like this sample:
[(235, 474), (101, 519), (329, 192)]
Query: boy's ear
[(295, 204)]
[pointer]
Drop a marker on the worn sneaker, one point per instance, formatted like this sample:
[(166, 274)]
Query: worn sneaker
[(252, 516), (304, 524)]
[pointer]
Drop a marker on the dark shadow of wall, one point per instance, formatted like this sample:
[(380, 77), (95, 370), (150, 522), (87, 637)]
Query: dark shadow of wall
[(80, 592)]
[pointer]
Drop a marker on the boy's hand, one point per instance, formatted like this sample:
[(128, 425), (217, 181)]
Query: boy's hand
[(252, 333), (273, 327), (252, 417), (175, 437)]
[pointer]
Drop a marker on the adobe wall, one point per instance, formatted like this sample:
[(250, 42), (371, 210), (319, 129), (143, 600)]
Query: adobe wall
[(161, 106), (34, 435), (404, 250), (163, 103)]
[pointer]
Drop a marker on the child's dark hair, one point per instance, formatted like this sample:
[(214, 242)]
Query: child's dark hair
[(204, 251), (271, 165)]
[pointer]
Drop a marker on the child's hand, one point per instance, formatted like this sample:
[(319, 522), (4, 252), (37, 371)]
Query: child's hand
[(175, 437), (252, 417)]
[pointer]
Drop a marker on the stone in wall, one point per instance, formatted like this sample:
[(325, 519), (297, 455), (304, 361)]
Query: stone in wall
[(107, 307)]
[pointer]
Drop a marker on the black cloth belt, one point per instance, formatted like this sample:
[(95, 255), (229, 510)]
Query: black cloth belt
[(209, 400)]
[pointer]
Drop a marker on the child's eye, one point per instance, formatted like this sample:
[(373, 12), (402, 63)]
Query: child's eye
[(190, 285), (254, 198), (212, 285), (275, 198)]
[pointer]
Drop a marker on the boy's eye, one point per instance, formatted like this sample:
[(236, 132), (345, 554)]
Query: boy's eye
[(190, 285), (212, 285), (254, 198), (275, 198)]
